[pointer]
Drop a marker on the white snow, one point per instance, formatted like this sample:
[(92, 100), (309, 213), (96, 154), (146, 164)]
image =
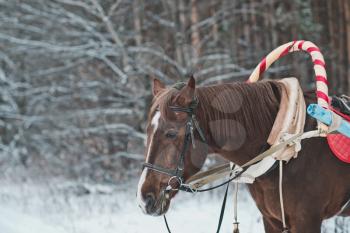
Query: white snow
[(12, 221), (64, 208)]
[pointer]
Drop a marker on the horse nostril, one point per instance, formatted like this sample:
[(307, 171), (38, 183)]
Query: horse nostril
[(149, 201)]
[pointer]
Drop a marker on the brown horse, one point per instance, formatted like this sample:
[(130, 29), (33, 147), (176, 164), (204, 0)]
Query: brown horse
[(236, 120)]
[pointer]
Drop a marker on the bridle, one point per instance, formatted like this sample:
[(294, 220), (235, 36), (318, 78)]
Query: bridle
[(192, 124), (177, 174)]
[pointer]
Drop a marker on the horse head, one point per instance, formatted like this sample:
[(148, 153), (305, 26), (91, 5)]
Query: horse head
[(170, 158)]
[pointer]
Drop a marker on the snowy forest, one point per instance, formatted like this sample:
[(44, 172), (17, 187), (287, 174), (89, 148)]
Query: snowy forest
[(75, 88)]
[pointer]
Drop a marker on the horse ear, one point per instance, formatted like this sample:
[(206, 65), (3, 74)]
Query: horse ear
[(157, 86), (191, 83), (186, 95)]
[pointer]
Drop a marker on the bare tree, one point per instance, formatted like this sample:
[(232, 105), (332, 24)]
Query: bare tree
[(75, 75)]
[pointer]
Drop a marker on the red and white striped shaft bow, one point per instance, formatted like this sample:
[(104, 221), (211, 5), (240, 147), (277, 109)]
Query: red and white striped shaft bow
[(317, 59)]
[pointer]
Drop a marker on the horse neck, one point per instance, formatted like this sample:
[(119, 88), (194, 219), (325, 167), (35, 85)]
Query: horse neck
[(237, 118)]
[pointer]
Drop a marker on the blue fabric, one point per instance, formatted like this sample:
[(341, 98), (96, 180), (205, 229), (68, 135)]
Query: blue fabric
[(325, 116)]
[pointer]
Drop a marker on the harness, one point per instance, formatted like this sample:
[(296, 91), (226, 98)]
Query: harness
[(202, 179)]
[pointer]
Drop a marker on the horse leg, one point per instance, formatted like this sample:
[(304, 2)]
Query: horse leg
[(346, 210), (272, 225), (307, 224)]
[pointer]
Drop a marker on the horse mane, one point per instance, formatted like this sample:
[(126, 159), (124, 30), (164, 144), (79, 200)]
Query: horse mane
[(253, 105)]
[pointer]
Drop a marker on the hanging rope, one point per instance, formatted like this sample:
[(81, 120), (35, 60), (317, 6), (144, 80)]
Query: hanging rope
[(235, 212), (285, 228)]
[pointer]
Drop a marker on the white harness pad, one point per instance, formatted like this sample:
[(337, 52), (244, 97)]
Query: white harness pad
[(290, 120), (255, 170)]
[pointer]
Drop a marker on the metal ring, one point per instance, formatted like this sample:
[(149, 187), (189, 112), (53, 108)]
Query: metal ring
[(178, 179)]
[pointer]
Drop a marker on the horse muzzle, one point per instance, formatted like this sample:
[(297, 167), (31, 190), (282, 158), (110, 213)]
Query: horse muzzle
[(156, 206)]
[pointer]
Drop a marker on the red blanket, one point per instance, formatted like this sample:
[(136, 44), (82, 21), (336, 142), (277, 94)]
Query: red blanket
[(340, 144)]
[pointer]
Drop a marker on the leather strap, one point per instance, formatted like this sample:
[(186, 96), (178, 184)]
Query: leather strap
[(166, 171), (222, 171)]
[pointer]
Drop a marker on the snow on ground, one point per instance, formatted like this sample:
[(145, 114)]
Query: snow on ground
[(12, 221), (57, 207)]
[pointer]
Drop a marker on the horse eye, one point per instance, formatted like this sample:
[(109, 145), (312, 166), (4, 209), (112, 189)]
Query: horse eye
[(171, 134)]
